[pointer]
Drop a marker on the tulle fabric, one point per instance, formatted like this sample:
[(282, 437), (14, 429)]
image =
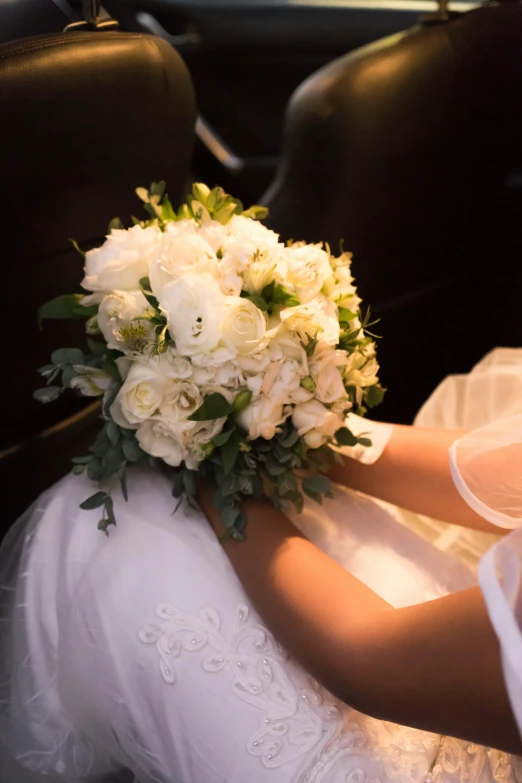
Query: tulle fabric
[(486, 464)]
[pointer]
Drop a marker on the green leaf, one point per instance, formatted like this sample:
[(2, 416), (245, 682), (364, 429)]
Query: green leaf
[(345, 315), (77, 247), (94, 469), (257, 300), (314, 495), (167, 211), (229, 516), (113, 433), (374, 395), (131, 450), (145, 283), (67, 375), (242, 400), (215, 406), (142, 194), (47, 394), (65, 306), (308, 383), (113, 461), (178, 484), (230, 451), (364, 441), (221, 438), (189, 482), (68, 356), (96, 348), (290, 440), (115, 224), (158, 188), (317, 483), (256, 212), (109, 510), (345, 437), (94, 501), (81, 460)]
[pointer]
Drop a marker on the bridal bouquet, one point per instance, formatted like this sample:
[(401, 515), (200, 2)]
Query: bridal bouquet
[(215, 349)]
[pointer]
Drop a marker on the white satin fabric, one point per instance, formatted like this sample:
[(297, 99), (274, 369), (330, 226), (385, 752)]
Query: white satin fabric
[(140, 652)]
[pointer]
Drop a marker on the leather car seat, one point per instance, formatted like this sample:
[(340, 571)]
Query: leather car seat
[(410, 150), (86, 118)]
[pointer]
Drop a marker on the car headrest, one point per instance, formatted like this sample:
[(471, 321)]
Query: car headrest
[(86, 118)]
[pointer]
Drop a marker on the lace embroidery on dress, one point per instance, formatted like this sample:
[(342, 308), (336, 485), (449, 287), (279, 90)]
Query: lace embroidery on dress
[(464, 762), (293, 721)]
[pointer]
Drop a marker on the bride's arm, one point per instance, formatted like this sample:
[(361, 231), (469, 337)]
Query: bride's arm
[(414, 472), (434, 666)]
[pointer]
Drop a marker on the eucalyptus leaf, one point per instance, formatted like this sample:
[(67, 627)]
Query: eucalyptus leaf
[(94, 469), (178, 484), (189, 481), (47, 394), (131, 450), (96, 348), (113, 433), (317, 483), (374, 395), (345, 437), (94, 501), (68, 356), (229, 516)]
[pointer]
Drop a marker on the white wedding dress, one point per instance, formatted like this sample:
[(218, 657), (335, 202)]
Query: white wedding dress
[(138, 656)]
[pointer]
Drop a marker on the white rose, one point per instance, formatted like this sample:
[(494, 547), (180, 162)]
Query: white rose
[(324, 370), (262, 418), (195, 309), (116, 316), (240, 226), (174, 365), (159, 438), (244, 326), (313, 415), (122, 260), (181, 253), (140, 396), (90, 381), (215, 234), (180, 400), (319, 317), (308, 270)]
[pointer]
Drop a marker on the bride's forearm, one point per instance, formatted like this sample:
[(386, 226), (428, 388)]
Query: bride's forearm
[(294, 587), (414, 472)]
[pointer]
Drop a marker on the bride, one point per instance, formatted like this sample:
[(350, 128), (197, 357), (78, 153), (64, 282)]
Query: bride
[(141, 655)]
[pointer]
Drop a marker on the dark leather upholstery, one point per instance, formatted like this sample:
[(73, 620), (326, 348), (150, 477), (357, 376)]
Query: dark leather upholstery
[(411, 151), (86, 118)]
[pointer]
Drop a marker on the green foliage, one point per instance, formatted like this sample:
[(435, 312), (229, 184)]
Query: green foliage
[(215, 406), (65, 307)]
